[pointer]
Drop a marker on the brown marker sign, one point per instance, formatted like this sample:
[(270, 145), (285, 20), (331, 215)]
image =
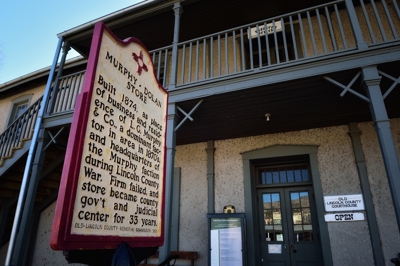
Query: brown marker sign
[(112, 187)]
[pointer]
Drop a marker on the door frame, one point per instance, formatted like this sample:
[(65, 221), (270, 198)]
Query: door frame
[(251, 205)]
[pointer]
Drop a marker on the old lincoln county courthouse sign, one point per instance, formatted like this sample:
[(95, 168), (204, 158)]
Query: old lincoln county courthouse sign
[(344, 203), (112, 186)]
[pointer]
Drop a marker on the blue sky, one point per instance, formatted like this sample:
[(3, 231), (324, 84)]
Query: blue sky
[(29, 28)]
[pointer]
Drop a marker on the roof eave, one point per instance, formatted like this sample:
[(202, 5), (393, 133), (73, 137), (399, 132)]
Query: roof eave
[(39, 74), (108, 18)]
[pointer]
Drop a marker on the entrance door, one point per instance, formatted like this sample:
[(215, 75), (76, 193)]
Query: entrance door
[(288, 227)]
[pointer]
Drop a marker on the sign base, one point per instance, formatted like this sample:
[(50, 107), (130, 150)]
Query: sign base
[(104, 257)]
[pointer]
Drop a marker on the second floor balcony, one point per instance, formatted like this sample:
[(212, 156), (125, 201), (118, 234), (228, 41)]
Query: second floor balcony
[(220, 40), (317, 33)]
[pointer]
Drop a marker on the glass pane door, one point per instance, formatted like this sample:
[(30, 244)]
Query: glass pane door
[(288, 227), (272, 217), (301, 214)]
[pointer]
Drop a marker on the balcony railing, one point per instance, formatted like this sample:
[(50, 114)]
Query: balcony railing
[(275, 42), (293, 38), (379, 20), (62, 100)]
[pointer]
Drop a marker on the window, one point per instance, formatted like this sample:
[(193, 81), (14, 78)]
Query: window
[(19, 106), (289, 170), (18, 110), (284, 174)]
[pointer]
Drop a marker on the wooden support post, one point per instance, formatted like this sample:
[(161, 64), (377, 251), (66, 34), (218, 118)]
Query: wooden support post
[(382, 127), (171, 142)]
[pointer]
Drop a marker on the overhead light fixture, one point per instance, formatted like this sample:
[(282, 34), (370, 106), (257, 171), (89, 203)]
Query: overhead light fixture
[(267, 115)]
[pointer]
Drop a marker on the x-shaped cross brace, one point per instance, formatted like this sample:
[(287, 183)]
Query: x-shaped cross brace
[(348, 87), (53, 137), (187, 115), (396, 81)]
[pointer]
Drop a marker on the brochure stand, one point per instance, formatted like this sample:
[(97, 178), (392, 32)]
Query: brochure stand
[(227, 239)]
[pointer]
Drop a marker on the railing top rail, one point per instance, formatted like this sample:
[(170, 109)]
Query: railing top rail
[(160, 49), (73, 74)]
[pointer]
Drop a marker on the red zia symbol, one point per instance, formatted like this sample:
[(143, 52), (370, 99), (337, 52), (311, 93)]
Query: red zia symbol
[(141, 64)]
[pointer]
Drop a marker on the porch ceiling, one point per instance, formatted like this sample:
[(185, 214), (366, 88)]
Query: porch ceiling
[(295, 105), (199, 18)]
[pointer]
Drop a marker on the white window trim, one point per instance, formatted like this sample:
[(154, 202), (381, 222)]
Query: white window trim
[(14, 103)]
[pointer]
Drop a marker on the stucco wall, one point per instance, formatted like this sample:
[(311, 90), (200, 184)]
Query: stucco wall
[(43, 254), (350, 241), (335, 157), (338, 176), (193, 201), (384, 209)]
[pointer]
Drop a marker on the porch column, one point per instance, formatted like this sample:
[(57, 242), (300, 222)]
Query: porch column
[(25, 179), (164, 251), (366, 190), (382, 127), (26, 227), (178, 11), (210, 176), (27, 221), (65, 49)]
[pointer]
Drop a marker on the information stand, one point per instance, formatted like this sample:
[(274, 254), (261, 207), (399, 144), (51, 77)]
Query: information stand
[(227, 239)]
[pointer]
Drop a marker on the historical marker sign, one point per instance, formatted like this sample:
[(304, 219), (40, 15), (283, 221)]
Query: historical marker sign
[(112, 187)]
